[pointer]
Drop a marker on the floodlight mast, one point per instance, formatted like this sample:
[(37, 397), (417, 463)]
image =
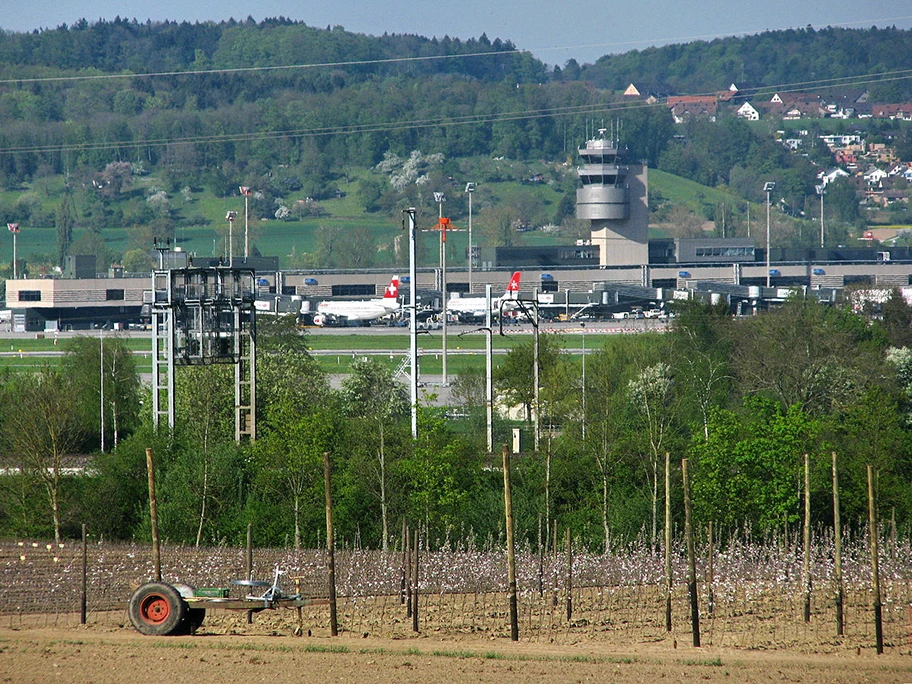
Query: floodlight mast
[(768, 188), (413, 326), (470, 190), (230, 216)]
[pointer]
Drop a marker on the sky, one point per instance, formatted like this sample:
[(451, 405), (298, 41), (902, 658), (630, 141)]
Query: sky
[(553, 31)]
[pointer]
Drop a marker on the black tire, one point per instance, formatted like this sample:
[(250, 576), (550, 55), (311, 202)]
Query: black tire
[(157, 609)]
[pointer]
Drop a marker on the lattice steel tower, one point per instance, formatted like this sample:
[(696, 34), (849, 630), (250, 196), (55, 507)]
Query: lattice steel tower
[(203, 316)]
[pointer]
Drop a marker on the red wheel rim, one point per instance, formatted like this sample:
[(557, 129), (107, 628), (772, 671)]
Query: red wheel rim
[(155, 609)]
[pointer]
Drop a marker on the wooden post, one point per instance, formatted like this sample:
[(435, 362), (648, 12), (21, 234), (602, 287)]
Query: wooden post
[(511, 553), (554, 565), (806, 566), (404, 549), (249, 564), (875, 566), (330, 549), (85, 578), (407, 565), (541, 559), (837, 540), (415, 585), (691, 558), (709, 568), (569, 576), (153, 512), (668, 573)]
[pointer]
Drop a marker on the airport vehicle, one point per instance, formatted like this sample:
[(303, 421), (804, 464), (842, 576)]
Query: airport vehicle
[(359, 311), (162, 609), (475, 308)]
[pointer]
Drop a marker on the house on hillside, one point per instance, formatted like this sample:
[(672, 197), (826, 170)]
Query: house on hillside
[(693, 106), (648, 93), (793, 106), (902, 112), (748, 111), (874, 177), (831, 175)]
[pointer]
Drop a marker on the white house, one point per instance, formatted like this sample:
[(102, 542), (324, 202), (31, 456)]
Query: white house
[(749, 112), (832, 174), (875, 176)]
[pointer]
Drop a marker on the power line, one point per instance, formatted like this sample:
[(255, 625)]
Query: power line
[(427, 58), (449, 121)]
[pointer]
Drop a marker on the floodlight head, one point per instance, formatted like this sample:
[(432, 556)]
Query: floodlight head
[(769, 186), (821, 189), (470, 187), (439, 197), (231, 215)]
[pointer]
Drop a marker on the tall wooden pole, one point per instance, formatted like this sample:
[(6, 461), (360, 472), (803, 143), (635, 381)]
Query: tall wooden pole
[(668, 572), (404, 549), (511, 553), (330, 549), (806, 566), (691, 557), (415, 583), (153, 513), (249, 564), (709, 568), (569, 543), (85, 578), (837, 540), (875, 565)]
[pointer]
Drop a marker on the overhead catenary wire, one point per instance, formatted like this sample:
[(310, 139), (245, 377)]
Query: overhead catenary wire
[(603, 108)]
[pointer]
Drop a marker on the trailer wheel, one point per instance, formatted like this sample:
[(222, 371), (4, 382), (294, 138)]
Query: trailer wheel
[(157, 609)]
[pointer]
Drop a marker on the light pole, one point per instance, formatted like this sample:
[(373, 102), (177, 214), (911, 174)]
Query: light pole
[(583, 326), (470, 189), (821, 190), (230, 216), (246, 192), (14, 229), (768, 187), (440, 199), (413, 327)]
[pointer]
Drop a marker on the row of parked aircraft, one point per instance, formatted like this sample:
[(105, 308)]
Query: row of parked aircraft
[(366, 310)]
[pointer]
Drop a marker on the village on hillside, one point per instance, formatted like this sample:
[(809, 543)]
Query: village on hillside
[(882, 178)]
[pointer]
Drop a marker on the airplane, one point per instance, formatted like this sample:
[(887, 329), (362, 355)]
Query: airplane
[(470, 308), (360, 311)]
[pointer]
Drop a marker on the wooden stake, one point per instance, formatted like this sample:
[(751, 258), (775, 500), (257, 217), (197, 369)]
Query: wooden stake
[(511, 553), (875, 566), (691, 558), (153, 512), (709, 568), (404, 548), (806, 566), (85, 576), (415, 586), (330, 549), (668, 573), (569, 577), (249, 567), (837, 540)]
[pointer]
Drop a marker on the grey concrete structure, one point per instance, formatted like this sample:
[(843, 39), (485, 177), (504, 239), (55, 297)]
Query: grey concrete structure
[(614, 199)]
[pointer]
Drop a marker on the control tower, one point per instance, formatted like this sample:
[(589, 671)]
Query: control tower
[(614, 198)]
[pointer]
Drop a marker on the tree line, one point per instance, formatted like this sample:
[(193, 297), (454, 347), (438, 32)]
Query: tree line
[(743, 399), (194, 110)]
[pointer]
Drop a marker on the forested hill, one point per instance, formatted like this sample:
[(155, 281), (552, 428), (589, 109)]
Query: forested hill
[(125, 45), (771, 59), (805, 57)]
